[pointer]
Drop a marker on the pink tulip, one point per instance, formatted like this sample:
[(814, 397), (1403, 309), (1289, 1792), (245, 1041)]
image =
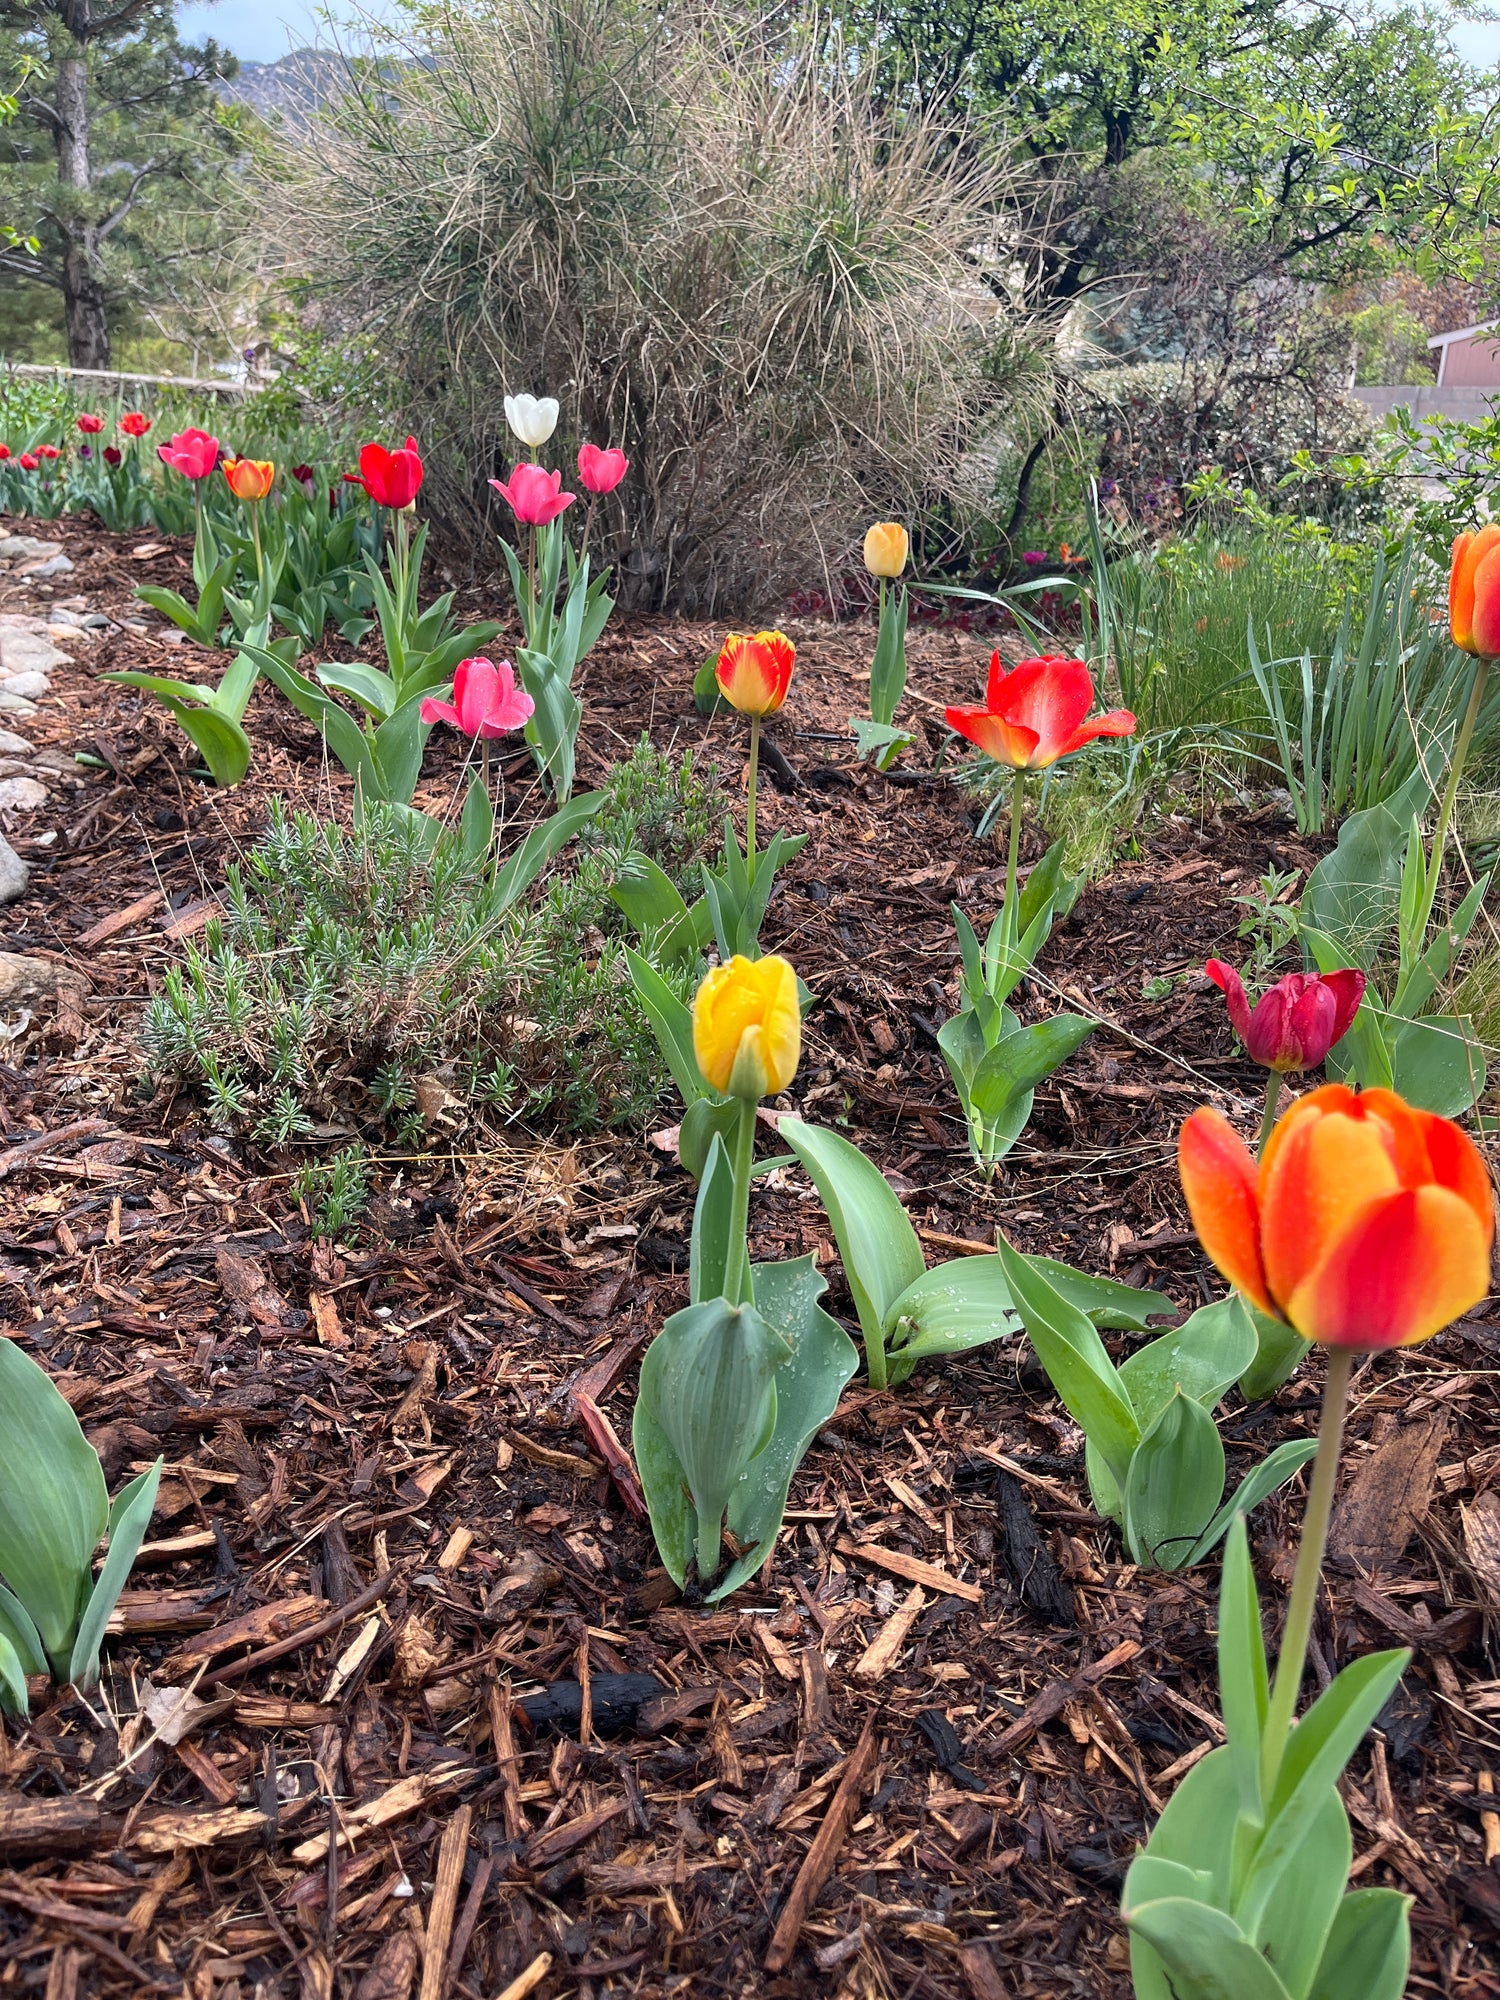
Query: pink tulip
[(192, 453), (486, 701), (1297, 1021), (534, 494), (601, 471)]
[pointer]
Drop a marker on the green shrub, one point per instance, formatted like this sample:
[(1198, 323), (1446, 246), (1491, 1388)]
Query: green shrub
[(363, 980)]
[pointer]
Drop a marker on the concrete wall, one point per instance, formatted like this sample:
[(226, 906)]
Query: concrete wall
[(1470, 405)]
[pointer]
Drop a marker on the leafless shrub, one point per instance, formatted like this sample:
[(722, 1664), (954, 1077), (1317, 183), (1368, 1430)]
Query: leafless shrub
[(700, 235)]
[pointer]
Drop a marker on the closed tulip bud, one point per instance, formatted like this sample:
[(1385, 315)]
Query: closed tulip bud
[(886, 547), (1474, 593), (747, 1027), (1297, 1021), (1366, 1224), (754, 673), (532, 418), (249, 478), (89, 424), (601, 471)]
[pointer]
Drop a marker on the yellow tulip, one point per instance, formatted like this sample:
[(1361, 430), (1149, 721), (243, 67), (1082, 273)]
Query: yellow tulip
[(747, 1027), (886, 547)]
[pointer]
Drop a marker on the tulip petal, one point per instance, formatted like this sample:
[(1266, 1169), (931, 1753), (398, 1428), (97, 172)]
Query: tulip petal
[(1236, 1000), (1486, 614), (1307, 1023), (1456, 1164), (1051, 696), (995, 682), (1469, 551), (1328, 1169), (1117, 722), (433, 710), (1348, 989), (1219, 1180), (1398, 1272), (997, 738)]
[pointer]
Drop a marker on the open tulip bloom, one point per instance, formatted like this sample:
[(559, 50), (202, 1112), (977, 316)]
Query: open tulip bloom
[(1366, 1224), (1032, 716), (601, 471), (486, 702)]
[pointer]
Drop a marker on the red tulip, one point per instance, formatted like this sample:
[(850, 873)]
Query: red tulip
[(601, 471), (90, 424), (28, 462), (534, 494), (112, 454), (1295, 1022), (135, 424), (48, 451), (1035, 714), (1365, 1224), (391, 478), (486, 701), (754, 674), (193, 453), (306, 478), (1474, 592), (4, 452)]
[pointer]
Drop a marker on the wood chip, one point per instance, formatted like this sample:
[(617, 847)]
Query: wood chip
[(393, 1804), (884, 1649), (1052, 1700), (1388, 1497), (823, 1853), (532, 1977), (447, 1882), (111, 926), (913, 1569)]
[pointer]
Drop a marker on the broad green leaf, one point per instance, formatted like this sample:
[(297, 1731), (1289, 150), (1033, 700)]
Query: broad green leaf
[(1352, 896), (343, 735), (672, 1022), (1278, 1350), (1206, 1954), (713, 1218), (647, 894), (1175, 1481), (1020, 1061), (540, 846), (879, 1247), (1274, 1470), (476, 825), (53, 1503), (223, 745), (1368, 1950), (807, 1394), (881, 740), (159, 684), (129, 1519), (1069, 1348), (552, 727), (1294, 1923), (17, 1625), (396, 752), (707, 697), (1203, 1358), (708, 1382), (967, 1302), (1438, 1064), (1244, 1686), (1198, 1826), (372, 689), (1106, 1301), (704, 1118), (13, 1699), (888, 666)]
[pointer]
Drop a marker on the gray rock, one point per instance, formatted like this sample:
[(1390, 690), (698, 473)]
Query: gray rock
[(96, 622), (14, 874), (55, 566), (14, 746), (28, 685), (21, 794), (24, 979), (14, 546), (23, 652), (16, 704)]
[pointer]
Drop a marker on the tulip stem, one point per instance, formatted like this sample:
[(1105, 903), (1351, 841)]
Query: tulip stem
[(737, 1275), (1010, 928), (1268, 1116), (260, 561), (1450, 790), (1291, 1661), (750, 797)]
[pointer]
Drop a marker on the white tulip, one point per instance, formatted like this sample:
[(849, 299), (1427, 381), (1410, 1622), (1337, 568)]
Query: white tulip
[(532, 418)]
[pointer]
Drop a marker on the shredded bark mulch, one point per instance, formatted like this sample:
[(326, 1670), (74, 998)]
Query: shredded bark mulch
[(400, 1702)]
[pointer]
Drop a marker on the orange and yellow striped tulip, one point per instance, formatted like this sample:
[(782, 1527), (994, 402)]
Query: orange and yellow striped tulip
[(747, 1027), (754, 673), (249, 478), (1474, 593), (1366, 1224)]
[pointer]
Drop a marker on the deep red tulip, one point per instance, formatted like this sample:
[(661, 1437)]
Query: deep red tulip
[(112, 454), (1036, 713), (391, 478), (486, 701), (28, 462), (90, 424), (193, 453), (305, 477), (135, 424), (534, 495), (601, 471), (1297, 1021)]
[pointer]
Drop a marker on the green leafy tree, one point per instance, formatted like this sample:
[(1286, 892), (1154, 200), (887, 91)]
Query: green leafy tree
[(116, 145)]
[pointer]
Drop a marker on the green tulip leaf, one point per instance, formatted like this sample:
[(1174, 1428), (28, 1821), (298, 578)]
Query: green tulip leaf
[(54, 1508), (1279, 1349), (1068, 1346), (1206, 1955), (1274, 1470), (129, 1519), (13, 1697), (713, 1225), (1203, 1358), (18, 1627), (672, 1023), (1244, 1685), (1295, 1920), (1369, 1948), (1175, 1480)]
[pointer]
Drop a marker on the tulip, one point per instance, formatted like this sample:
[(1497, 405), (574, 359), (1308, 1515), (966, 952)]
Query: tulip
[(535, 496), (1294, 1023), (753, 676), (486, 701), (193, 453), (1366, 1225), (28, 461), (747, 1027), (1474, 622), (1031, 717), (48, 451), (249, 478), (601, 471), (887, 545), (90, 424), (112, 454), (4, 453), (135, 424), (306, 477), (532, 418), (391, 478)]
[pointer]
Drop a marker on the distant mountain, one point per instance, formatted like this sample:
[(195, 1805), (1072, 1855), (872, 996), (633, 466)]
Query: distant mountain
[(292, 88)]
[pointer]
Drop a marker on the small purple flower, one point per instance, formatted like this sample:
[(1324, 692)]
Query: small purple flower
[(85, 451), (1033, 555)]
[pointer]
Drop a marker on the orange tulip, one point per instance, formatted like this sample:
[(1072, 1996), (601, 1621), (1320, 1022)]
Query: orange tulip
[(249, 478), (1367, 1223), (755, 673), (1474, 593)]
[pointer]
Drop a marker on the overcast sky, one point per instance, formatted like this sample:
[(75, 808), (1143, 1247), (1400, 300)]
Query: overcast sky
[(261, 30)]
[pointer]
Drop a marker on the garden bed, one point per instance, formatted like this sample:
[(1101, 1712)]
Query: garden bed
[(383, 1527)]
